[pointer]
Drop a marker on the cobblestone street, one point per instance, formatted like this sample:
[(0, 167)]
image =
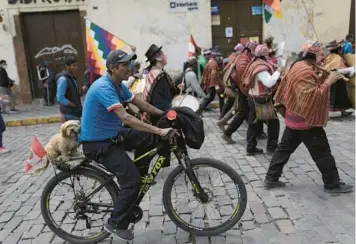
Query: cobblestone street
[(301, 213)]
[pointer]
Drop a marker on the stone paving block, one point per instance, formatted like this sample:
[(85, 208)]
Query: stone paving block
[(269, 230), (271, 201), (260, 170), (24, 226), (33, 215), (13, 238), (285, 226), (14, 207), (33, 232), (345, 238), (182, 236), (5, 217), (293, 213), (4, 233), (30, 242), (257, 207), (155, 210), (246, 169), (202, 240), (233, 237), (169, 228), (247, 215), (248, 225), (252, 177), (23, 211), (13, 223), (262, 218), (277, 213), (45, 238), (325, 233)]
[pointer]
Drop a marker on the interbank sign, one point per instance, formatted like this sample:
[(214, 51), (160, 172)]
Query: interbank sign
[(180, 6)]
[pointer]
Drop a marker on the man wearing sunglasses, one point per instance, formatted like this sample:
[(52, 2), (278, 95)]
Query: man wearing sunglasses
[(105, 140)]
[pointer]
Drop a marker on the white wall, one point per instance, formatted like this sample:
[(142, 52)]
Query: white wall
[(142, 23), (329, 17), (138, 22)]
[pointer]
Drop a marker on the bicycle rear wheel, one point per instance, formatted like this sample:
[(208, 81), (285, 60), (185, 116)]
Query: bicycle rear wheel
[(225, 185), (70, 219)]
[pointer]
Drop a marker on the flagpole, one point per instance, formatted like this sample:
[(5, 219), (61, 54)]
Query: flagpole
[(118, 38), (309, 20)]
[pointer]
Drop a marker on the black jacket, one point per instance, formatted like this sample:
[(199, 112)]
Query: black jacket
[(5, 81)]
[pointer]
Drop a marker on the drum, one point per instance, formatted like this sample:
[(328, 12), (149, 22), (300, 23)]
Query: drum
[(137, 88), (186, 100)]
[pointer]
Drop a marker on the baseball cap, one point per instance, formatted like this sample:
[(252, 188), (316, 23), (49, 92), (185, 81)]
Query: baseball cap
[(119, 56)]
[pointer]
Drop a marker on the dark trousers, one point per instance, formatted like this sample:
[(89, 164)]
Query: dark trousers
[(254, 128), (210, 97), (113, 156), (241, 115), (227, 106), (2, 128), (318, 146)]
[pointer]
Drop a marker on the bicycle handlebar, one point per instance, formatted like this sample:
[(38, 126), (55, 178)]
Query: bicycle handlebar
[(169, 134)]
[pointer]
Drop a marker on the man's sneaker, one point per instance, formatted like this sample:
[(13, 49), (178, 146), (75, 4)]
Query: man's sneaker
[(123, 234), (4, 150), (254, 152), (342, 188), (228, 139), (273, 183)]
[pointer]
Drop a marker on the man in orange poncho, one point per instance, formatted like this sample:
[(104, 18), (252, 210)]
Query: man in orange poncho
[(305, 97), (212, 81), (236, 76)]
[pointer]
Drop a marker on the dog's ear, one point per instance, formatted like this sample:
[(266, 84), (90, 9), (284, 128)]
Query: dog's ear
[(64, 130)]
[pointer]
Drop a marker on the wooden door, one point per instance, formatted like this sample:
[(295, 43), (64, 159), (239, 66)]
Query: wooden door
[(238, 15), (228, 18), (50, 36)]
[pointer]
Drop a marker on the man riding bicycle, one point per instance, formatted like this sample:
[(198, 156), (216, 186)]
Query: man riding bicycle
[(105, 140)]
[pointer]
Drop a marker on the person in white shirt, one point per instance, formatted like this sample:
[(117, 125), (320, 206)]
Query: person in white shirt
[(261, 79), (192, 85)]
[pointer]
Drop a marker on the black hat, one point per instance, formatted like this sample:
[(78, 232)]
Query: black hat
[(152, 50), (119, 56), (334, 45)]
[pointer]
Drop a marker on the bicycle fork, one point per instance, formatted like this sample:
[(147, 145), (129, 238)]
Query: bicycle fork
[(197, 188)]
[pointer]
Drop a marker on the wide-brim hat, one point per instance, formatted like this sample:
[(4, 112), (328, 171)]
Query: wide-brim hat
[(152, 50), (334, 45)]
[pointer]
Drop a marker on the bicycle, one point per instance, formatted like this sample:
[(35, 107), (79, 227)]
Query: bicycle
[(84, 206)]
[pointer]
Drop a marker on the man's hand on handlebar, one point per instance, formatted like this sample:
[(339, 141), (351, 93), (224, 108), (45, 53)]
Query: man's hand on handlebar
[(167, 133)]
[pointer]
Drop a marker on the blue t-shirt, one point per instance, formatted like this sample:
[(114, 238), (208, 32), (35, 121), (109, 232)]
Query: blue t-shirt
[(99, 122)]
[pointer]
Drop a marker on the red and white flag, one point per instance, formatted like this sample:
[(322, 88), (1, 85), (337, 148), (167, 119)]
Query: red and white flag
[(37, 153), (192, 47)]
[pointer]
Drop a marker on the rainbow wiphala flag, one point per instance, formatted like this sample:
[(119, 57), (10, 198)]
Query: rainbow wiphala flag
[(99, 44)]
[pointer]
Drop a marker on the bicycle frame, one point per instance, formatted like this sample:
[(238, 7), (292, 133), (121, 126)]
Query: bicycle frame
[(180, 150)]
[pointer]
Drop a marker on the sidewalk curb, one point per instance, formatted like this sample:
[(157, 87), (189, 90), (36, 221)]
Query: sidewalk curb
[(33, 121), (55, 119)]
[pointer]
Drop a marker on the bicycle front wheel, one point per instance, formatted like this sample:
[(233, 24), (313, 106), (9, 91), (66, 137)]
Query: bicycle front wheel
[(227, 198), (66, 212)]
